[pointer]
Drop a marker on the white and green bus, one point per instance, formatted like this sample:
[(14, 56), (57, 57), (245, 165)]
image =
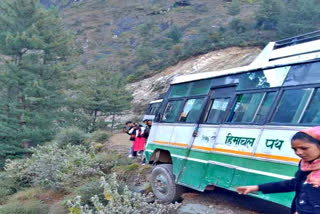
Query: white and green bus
[(233, 127), (152, 109)]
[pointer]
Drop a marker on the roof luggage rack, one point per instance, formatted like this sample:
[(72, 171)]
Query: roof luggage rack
[(297, 39)]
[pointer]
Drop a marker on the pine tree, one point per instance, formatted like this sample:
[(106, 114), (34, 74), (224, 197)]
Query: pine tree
[(299, 17), (34, 47), (100, 97)]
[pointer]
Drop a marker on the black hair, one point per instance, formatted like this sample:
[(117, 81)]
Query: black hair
[(128, 122), (304, 136)]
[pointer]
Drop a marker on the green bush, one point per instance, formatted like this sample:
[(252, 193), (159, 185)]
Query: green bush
[(175, 34), (234, 8), (237, 25), (120, 200), (54, 167), (29, 207), (131, 78), (89, 189), (268, 14), (73, 136), (99, 136), (8, 186), (107, 160)]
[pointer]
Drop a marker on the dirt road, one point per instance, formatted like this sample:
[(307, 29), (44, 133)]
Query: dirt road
[(218, 201)]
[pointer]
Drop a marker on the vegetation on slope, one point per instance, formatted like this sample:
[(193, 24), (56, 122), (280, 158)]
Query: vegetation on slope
[(140, 38)]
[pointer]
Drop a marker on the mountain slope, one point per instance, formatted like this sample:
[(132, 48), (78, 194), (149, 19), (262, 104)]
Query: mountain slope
[(149, 89)]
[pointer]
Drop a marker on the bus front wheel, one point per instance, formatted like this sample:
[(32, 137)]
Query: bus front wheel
[(163, 184)]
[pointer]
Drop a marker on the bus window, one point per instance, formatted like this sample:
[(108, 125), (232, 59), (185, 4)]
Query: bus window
[(312, 113), (179, 90), (172, 110), (245, 107), (191, 111), (291, 105), (154, 108), (217, 110), (200, 87), (262, 112), (303, 74), (263, 79)]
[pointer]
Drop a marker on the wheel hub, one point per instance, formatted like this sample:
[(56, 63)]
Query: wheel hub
[(161, 183)]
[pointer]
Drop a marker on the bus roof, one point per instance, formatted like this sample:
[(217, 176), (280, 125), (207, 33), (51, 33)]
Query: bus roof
[(275, 54)]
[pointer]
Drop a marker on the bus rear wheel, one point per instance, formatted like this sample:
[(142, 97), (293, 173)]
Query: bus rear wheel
[(163, 184)]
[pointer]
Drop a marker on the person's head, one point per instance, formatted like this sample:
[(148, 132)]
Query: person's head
[(145, 121), (129, 123), (306, 143), (136, 126), (149, 122)]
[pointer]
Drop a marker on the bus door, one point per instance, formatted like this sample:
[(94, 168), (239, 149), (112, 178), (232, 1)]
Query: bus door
[(197, 169)]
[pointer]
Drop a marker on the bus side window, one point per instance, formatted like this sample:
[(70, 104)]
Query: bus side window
[(217, 110), (312, 113), (292, 105), (191, 110), (172, 110), (251, 107), (265, 107), (245, 107)]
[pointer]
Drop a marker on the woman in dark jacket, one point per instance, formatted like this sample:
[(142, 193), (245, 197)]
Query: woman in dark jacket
[(306, 182)]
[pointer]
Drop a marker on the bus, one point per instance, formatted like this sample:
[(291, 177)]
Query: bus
[(152, 109), (233, 127)]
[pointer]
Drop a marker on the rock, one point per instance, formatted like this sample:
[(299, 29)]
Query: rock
[(196, 209), (143, 188)]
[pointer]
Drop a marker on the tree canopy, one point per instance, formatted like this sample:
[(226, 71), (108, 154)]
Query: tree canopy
[(34, 46)]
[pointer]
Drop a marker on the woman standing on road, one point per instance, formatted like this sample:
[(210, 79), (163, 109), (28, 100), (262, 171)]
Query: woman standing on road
[(306, 184), (140, 140)]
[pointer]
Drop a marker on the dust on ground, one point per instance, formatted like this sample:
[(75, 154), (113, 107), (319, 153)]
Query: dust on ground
[(119, 142)]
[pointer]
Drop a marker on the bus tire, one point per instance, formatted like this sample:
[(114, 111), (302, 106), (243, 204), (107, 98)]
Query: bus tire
[(163, 184)]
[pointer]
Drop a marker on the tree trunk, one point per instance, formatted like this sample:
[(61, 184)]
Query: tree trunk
[(94, 121), (112, 122)]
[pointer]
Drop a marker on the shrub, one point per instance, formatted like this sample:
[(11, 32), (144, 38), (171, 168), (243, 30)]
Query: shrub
[(131, 78), (8, 186), (268, 14), (29, 207), (54, 167), (123, 201), (73, 136), (99, 136), (175, 34), (106, 161), (26, 195), (16, 169), (237, 25), (234, 8), (87, 190)]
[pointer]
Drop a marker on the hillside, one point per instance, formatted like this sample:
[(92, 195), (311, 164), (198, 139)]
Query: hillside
[(146, 40), (150, 88), (141, 38)]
